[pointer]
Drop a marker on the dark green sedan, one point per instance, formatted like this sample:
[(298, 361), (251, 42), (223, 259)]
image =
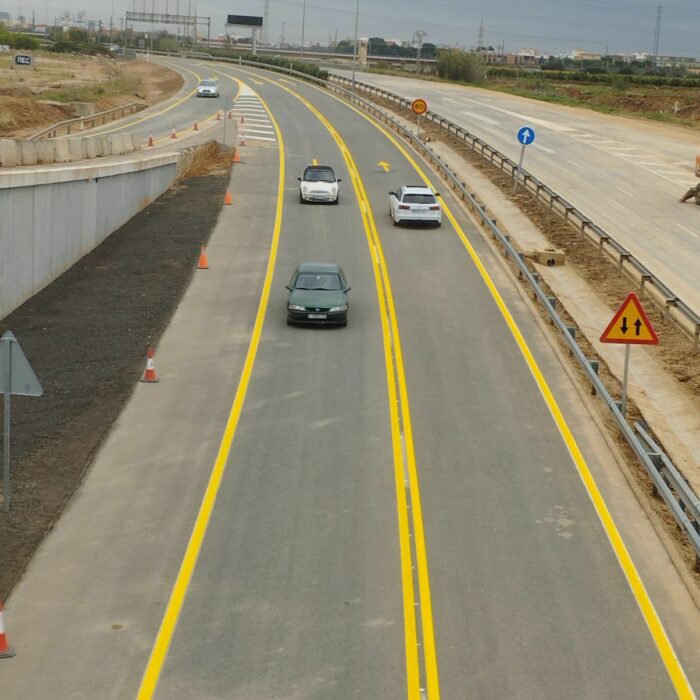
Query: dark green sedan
[(318, 295)]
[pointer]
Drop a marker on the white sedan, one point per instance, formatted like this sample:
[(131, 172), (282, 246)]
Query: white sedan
[(318, 184), (208, 88), (415, 203)]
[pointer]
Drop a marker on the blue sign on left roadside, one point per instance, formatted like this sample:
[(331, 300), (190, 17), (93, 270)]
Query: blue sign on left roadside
[(526, 135)]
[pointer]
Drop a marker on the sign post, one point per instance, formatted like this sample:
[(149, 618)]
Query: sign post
[(526, 135), (16, 377), (419, 106), (629, 326)]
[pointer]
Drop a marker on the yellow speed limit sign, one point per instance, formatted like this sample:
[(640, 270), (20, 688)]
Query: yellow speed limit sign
[(419, 106)]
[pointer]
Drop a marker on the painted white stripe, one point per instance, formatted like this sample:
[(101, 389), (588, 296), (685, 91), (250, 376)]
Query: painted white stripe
[(687, 230), (479, 117), (540, 147), (578, 165), (258, 138), (629, 194), (259, 131)]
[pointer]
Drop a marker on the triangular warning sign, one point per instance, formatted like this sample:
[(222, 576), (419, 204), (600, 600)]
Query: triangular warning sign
[(15, 367), (630, 325)]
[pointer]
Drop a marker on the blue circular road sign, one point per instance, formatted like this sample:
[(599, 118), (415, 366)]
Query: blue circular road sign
[(526, 135)]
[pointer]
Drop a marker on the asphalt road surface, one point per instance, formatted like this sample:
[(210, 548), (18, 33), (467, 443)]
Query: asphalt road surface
[(626, 174), (396, 508)]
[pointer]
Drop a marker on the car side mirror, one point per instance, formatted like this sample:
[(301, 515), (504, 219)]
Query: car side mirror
[(299, 179), (340, 179), (347, 289), (288, 286), (394, 193), (437, 194)]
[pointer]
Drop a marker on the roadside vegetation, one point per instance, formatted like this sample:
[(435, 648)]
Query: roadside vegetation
[(122, 82)]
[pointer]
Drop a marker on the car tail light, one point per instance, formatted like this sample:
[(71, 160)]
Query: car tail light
[(437, 208), (404, 206)]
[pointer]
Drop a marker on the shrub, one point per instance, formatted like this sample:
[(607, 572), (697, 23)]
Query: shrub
[(453, 64)]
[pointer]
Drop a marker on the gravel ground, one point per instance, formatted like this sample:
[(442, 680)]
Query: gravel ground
[(86, 337)]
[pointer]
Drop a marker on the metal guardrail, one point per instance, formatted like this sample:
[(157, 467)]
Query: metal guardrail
[(88, 122), (672, 306), (679, 497)]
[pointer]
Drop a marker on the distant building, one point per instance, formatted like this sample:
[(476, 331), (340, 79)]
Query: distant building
[(5, 18), (581, 55)]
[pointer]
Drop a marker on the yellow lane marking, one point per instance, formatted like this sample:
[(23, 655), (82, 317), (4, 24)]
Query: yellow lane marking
[(654, 624), (390, 332), (162, 111), (189, 561), (386, 167)]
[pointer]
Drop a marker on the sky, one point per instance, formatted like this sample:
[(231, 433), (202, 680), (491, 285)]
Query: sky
[(550, 26)]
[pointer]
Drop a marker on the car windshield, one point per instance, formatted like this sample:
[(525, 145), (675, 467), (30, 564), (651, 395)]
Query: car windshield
[(327, 281), (208, 83), (319, 175), (419, 198)]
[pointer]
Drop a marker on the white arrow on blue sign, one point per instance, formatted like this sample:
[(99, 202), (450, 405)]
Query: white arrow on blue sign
[(526, 135)]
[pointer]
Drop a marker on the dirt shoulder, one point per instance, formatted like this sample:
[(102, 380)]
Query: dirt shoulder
[(86, 336), (33, 99)]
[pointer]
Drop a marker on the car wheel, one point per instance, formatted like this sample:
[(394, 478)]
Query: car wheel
[(289, 321), (301, 199), (396, 223), (336, 200)]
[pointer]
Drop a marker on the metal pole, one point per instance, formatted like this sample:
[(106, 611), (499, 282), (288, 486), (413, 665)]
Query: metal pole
[(6, 433), (303, 27), (623, 402), (520, 166), (418, 126), (354, 46)]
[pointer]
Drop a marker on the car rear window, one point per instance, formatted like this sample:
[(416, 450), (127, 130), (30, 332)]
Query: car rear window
[(328, 281), (208, 83), (419, 198), (319, 176)]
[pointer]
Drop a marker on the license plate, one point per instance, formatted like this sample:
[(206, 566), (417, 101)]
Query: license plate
[(318, 315)]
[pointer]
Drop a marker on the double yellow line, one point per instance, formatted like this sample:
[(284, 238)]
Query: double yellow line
[(402, 442)]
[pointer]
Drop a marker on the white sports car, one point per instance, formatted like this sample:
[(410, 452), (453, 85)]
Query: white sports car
[(415, 203), (318, 184)]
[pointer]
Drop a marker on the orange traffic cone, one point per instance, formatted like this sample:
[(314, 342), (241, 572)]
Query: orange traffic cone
[(242, 118), (203, 263), (195, 127), (173, 134), (242, 143), (228, 199), (230, 114), (6, 651), (218, 116), (149, 375), (150, 139), (236, 156)]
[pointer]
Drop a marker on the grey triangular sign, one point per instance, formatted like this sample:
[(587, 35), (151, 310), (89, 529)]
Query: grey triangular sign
[(22, 381)]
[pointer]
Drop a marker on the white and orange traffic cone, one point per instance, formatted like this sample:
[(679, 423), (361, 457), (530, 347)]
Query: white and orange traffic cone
[(149, 376), (150, 139), (203, 262), (218, 116), (195, 127), (173, 134), (236, 156), (230, 114), (242, 118), (6, 651), (242, 143), (228, 199)]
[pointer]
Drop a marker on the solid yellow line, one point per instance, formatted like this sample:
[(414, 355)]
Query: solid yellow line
[(656, 628), (385, 301), (189, 561)]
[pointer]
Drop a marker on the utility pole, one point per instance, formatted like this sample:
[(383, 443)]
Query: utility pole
[(354, 45), (282, 37), (303, 27), (480, 40), (420, 34), (657, 35), (266, 20)]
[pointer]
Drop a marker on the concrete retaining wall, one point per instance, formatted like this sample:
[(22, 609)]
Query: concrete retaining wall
[(53, 216), (65, 149)]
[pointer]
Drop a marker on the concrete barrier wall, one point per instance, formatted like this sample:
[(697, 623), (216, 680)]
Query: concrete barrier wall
[(65, 149), (51, 217)]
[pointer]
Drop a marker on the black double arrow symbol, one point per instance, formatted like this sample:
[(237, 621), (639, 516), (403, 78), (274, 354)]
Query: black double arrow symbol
[(624, 327)]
